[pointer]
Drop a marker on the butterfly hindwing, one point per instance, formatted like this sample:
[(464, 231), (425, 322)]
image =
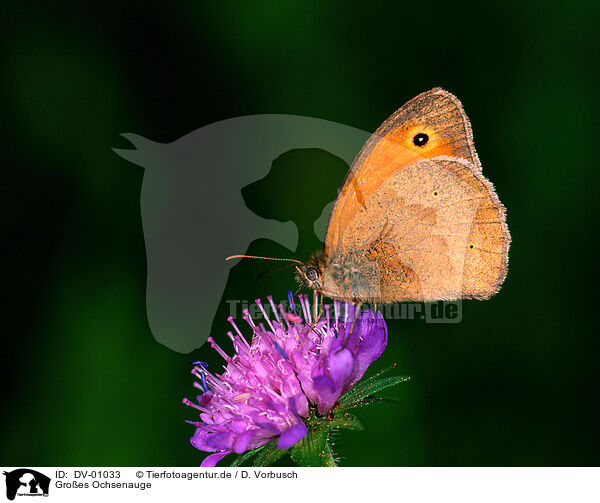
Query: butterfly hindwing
[(434, 229)]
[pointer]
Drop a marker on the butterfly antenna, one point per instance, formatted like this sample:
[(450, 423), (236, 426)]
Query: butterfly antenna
[(265, 258)]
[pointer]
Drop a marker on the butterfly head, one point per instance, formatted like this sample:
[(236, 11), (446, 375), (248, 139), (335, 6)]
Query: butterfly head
[(310, 275)]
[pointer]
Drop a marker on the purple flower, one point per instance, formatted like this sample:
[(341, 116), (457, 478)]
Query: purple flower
[(270, 384)]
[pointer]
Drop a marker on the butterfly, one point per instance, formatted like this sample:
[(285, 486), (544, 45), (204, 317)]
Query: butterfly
[(415, 219)]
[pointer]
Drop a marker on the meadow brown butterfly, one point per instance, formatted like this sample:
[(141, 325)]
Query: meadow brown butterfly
[(415, 219)]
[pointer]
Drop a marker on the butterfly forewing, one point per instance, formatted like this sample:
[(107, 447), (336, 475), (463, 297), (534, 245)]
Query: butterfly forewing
[(436, 116)]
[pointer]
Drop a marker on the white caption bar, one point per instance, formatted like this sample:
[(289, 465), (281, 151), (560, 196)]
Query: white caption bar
[(24, 484)]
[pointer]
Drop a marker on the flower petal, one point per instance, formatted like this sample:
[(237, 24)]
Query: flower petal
[(292, 435), (330, 382), (242, 440), (213, 459), (373, 339), (299, 405), (200, 439), (220, 441)]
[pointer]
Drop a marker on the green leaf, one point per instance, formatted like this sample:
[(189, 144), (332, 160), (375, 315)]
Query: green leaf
[(342, 421), (365, 383), (370, 400), (314, 449), (364, 392), (247, 456), (269, 454), (346, 422)]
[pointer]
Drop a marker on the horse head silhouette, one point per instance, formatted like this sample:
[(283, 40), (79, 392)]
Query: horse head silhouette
[(194, 215)]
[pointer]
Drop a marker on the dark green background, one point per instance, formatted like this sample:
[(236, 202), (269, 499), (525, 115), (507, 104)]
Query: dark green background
[(84, 382)]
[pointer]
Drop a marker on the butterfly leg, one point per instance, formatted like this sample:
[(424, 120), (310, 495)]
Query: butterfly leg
[(387, 232), (315, 304), (321, 311), (317, 317), (356, 311)]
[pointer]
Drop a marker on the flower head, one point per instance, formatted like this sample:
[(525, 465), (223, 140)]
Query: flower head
[(295, 363)]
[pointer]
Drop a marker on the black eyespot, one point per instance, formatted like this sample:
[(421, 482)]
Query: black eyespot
[(311, 274), (420, 139)]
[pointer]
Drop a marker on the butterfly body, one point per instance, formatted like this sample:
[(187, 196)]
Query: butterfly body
[(415, 219)]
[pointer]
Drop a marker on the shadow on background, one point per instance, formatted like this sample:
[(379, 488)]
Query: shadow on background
[(301, 182)]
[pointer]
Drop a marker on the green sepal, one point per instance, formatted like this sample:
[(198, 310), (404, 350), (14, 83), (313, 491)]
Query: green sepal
[(247, 456), (342, 421), (314, 449), (268, 455), (364, 392)]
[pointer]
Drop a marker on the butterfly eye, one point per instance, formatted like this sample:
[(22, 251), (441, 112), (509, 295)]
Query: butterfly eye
[(420, 139), (311, 274)]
